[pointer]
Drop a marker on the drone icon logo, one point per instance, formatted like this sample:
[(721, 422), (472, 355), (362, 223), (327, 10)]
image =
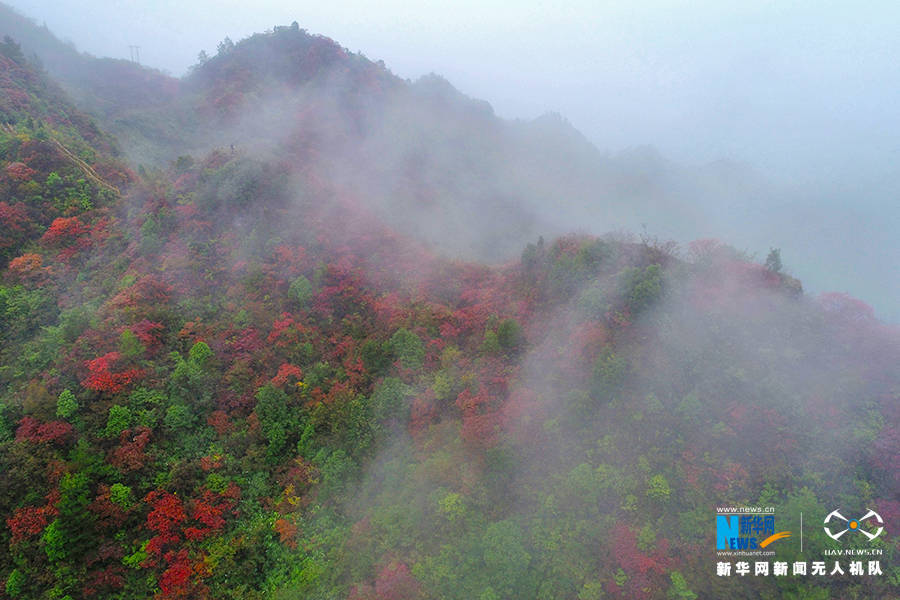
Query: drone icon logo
[(853, 524)]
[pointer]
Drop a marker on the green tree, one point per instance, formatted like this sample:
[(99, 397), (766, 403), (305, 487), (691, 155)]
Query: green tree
[(773, 260), (642, 287), (120, 494), (118, 421), (592, 590), (192, 378), (54, 541), (408, 348), (390, 398), (301, 291), (505, 557), (200, 355), (15, 583), (130, 345), (679, 589), (609, 373), (179, 417), (658, 488), (490, 344), (275, 419), (509, 335), (66, 404)]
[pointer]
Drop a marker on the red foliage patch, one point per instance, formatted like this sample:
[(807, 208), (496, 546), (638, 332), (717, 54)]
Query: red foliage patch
[(482, 421), (27, 267), (32, 430), (14, 224), (175, 581), (220, 421), (130, 456), (29, 521), (149, 333), (395, 582), (109, 514), (103, 379), (286, 372), (110, 578), (19, 171), (64, 230), (286, 531), (146, 292)]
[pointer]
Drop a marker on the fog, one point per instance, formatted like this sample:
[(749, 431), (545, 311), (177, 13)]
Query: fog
[(798, 88), (801, 95)]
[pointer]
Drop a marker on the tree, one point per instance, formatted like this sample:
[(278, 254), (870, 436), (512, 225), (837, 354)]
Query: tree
[(54, 542), (408, 349), (773, 260), (394, 582), (610, 371), (505, 557), (642, 287), (658, 488), (390, 398), (118, 421), (200, 355), (15, 583), (10, 49), (274, 418), (301, 291), (130, 345), (179, 417), (66, 404), (509, 335), (102, 378), (679, 589), (191, 379), (120, 494), (225, 46)]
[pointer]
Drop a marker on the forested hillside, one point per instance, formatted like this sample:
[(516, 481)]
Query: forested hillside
[(251, 371)]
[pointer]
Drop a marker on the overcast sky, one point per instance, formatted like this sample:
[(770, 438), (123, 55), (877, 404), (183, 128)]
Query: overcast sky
[(808, 88)]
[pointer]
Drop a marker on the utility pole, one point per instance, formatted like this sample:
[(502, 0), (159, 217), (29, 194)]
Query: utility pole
[(135, 54)]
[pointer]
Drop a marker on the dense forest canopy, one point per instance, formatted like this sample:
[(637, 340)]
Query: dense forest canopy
[(247, 350)]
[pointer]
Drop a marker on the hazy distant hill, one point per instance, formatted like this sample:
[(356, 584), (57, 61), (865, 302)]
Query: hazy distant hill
[(422, 153)]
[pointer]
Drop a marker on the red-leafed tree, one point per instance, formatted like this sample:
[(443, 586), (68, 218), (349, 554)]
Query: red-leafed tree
[(15, 226), (165, 518), (286, 373), (149, 333), (19, 171), (175, 582), (481, 417), (104, 581), (54, 432), (130, 455), (102, 378), (64, 230), (108, 514), (395, 582), (29, 521)]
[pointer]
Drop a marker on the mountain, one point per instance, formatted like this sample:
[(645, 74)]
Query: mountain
[(58, 165), (437, 164), (265, 371)]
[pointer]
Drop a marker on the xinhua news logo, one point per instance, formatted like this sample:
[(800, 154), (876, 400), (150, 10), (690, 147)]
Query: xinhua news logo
[(747, 531)]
